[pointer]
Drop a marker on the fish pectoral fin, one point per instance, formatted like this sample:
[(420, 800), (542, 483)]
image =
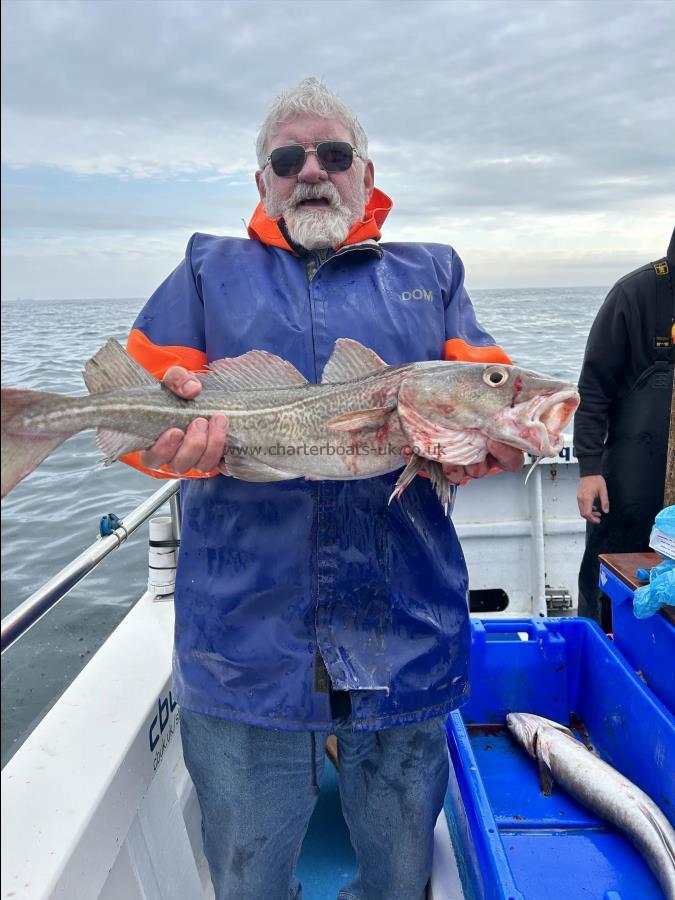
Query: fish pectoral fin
[(255, 370), (253, 470), (417, 465), (545, 776), (439, 482), (361, 418), (350, 361), (111, 368), (114, 444)]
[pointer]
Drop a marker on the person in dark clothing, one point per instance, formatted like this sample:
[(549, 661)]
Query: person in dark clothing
[(621, 426)]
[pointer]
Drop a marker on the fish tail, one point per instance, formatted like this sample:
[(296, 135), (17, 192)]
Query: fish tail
[(25, 446)]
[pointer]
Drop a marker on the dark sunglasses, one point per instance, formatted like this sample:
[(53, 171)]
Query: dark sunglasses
[(333, 156)]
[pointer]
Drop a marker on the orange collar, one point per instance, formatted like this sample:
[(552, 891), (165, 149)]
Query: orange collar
[(266, 230)]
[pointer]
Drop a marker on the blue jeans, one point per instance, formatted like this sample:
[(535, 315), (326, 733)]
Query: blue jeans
[(255, 791)]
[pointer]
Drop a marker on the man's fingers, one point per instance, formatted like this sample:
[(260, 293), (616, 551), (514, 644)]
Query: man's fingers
[(454, 474), (193, 447), (477, 470), (584, 508), (215, 444), (501, 455), (585, 503), (200, 447), (182, 382), (506, 457), (163, 449), (592, 491), (587, 508), (591, 515)]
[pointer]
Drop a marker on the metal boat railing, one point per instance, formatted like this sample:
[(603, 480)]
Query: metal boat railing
[(18, 622)]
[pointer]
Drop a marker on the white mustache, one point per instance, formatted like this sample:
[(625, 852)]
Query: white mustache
[(302, 192)]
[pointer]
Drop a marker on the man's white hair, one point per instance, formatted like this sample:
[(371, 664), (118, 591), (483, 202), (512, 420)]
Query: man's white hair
[(309, 96)]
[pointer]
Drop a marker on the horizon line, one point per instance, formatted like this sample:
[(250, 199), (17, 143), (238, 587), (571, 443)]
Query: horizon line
[(143, 299)]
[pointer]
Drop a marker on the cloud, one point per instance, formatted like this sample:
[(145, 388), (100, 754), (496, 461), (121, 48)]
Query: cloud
[(478, 112)]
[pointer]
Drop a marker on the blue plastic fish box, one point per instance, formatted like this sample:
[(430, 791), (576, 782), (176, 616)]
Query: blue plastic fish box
[(511, 841), (647, 644)]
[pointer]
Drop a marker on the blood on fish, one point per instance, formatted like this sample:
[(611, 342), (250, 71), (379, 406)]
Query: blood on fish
[(517, 388)]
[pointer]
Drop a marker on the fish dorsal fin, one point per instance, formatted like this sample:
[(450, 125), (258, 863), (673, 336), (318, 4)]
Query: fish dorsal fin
[(349, 361), (112, 367), (252, 371)]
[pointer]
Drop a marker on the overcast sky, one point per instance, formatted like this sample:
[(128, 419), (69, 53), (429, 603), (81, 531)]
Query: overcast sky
[(535, 137)]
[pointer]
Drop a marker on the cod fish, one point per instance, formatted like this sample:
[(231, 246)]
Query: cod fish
[(365, 418), (595, 784)]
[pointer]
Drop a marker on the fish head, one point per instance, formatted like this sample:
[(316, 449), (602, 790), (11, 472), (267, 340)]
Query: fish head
[(499, 402), (538, 410), (528, 730), (524, 727)]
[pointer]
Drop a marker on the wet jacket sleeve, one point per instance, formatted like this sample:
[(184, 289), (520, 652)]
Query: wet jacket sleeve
[(465, 339), (169, 331), (602, 376)]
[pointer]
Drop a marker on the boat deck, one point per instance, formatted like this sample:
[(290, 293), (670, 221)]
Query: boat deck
[(327, 860)]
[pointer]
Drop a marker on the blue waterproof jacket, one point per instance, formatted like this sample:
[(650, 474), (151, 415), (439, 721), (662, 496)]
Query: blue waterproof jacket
[(287, 589)]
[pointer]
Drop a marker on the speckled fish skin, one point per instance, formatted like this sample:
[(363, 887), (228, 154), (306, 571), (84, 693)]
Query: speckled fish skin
[(355, 424), (595, 784)]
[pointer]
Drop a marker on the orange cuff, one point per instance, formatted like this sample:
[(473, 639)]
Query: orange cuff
[(134, 460), (459, 350), (158, 359)]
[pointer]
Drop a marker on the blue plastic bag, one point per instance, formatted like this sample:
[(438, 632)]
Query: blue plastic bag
[(660, 591), (665, 521)]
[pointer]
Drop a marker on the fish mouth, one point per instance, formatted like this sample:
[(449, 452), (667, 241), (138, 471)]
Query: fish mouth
[(553, 413), (539, 424)]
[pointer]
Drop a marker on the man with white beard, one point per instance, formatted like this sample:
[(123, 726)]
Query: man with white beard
[(309, 608), (317, 211)]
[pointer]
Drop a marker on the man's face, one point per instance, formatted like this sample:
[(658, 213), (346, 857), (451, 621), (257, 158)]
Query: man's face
[(318, 207)]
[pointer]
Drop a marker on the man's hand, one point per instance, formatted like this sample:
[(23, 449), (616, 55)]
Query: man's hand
[(592, 488), (500, 456), (201, 446)]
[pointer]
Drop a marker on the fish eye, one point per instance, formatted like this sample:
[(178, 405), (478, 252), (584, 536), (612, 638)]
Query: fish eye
[(495, 376)]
